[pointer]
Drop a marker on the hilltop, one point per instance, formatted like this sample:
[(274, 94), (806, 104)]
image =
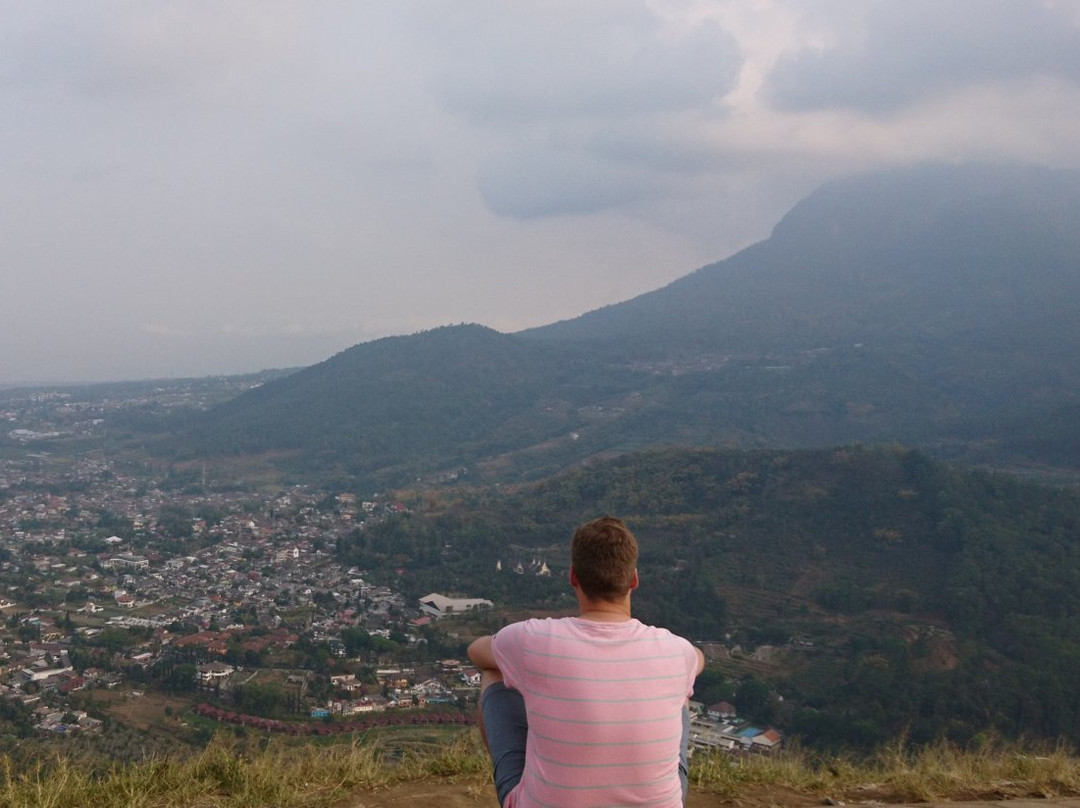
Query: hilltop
[(228, 776)]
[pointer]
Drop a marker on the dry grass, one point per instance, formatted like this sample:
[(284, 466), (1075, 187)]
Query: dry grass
[(901, 773), (225, 775), (286, 775)]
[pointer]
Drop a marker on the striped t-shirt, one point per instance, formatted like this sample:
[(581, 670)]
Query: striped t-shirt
[(604, 703)]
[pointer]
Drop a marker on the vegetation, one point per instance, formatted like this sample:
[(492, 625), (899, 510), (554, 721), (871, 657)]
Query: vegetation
[(368, 412), (237, 774), (901, 773), (897, 595), (228, 774), (936, 307)]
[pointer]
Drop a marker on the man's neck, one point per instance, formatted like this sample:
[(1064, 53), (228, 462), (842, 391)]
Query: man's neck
[(603, 611)]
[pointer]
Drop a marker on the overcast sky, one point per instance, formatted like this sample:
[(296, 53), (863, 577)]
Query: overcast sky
[(194, 188)]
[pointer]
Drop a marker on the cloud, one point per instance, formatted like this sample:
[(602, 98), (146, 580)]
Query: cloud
[(196, 186), (890, 55), (527, 184), (116, 49), (569, 60), (575, 94)]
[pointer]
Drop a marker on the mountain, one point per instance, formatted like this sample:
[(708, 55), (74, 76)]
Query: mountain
[(937, 305), (405, 405), (973, 256)]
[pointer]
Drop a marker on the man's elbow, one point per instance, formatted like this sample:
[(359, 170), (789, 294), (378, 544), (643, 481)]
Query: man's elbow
[(481, 655)]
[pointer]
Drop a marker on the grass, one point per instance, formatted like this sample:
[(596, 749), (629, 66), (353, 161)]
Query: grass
[(902, 773), (228, 774)]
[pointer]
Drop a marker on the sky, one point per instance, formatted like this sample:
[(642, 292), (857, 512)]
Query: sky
[(196, 187)]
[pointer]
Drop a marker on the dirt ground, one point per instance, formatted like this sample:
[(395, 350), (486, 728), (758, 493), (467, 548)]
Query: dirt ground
[(457, 795)]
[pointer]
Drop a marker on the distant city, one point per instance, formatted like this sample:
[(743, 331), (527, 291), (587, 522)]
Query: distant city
[(108, 583)]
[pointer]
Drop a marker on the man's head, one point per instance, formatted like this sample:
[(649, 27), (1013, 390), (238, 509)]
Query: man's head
[(603, 557)]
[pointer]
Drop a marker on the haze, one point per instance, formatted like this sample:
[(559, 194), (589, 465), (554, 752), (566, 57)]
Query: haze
[(198, 188)]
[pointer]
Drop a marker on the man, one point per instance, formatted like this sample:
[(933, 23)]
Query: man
[(589, 710)]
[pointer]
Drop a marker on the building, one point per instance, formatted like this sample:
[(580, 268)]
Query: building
[(127, 561), (440, 606), (211, 672)]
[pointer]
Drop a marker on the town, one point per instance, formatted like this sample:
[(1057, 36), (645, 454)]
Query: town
[(112, 580)]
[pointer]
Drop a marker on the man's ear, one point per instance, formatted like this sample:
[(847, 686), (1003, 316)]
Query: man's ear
[(573, 577), (634, 581)]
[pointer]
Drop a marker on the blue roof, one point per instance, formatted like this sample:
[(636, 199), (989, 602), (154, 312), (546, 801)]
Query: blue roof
[(750, 732)]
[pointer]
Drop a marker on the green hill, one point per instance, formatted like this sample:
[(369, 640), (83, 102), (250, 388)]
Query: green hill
[(936, 306), (402, 406), (895, 595)]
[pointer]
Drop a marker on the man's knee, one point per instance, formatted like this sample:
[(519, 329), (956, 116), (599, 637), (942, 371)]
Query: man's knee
[(507, 727), (684, 755), (488, 677)]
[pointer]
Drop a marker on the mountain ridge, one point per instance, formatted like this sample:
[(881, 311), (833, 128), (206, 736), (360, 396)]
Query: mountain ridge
[(928, 305), (838, 235)]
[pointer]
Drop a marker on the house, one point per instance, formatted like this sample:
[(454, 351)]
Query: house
[(361, 706), (766, 741), (440, 606), (41, 674), (471, 677), (143, 659), (211, 672), (721, 711), (127, 561)]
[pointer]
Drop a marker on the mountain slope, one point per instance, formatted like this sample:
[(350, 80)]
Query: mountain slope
[(938, 306), (932, 254), (934, 305), (417, 402)]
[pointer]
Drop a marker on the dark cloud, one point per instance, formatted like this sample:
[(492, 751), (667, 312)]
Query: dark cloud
[(906, 52), (536, 183), (656, 148)]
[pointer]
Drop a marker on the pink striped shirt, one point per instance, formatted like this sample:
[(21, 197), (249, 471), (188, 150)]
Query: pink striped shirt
[(604, 702)]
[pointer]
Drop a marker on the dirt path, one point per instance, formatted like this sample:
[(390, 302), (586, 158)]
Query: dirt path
[(471, 795)]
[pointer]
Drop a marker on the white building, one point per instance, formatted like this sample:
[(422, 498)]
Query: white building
[(440, 606)]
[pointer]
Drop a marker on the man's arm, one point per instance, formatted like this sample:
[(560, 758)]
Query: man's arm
[(700, 661), (481, 655)]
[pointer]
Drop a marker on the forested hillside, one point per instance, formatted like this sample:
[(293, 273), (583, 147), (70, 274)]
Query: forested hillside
[(898, 595), (935, 306), (409, 405)]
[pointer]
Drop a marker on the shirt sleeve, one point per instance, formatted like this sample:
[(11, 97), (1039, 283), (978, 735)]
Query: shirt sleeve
[(691, 667), (506, 646)]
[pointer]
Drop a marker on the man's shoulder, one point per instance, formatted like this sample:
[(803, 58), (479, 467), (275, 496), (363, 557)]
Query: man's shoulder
[(534, 625), (660, 631), (533, 622), (665, 635)]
